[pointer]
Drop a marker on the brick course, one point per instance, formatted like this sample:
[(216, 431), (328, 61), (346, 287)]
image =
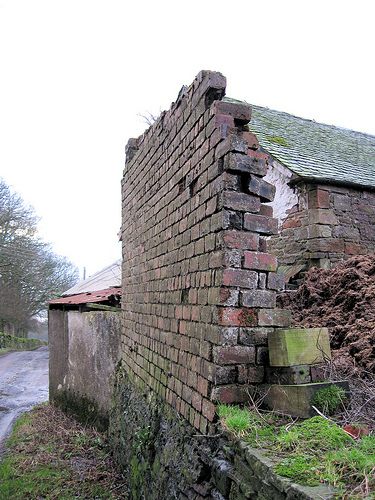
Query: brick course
[(198, 285)]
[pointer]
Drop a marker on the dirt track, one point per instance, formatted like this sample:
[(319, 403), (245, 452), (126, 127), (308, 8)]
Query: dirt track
[(23, 384)]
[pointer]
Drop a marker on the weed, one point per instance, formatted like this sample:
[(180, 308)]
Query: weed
[(329, 399), (49, 455)]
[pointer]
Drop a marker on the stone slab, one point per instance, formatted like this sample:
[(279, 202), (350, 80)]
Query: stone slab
[(299, 346), (295, 400)]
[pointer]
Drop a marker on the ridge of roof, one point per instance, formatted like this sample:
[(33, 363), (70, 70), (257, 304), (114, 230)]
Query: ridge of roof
[(313, 150)]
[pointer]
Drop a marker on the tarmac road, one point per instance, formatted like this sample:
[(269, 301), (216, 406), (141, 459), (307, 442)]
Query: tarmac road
[(23, 384)]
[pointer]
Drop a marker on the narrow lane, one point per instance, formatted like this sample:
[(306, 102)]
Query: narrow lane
[(23, 384)]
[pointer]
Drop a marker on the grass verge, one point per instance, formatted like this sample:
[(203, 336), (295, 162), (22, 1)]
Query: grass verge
[(309, 452), (11, 343), (51, 456)]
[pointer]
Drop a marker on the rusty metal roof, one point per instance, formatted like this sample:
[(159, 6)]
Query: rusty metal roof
[(84, 298)]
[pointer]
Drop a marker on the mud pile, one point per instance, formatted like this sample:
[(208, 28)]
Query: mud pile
[(342, 299)]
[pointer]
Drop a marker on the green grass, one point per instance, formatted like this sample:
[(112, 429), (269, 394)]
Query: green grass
[(310, 452), (49, 456), (9, 343), (329, 399)]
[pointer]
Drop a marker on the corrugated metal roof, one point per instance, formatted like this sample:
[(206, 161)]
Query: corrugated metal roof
[(84, 298), (108, 277), (314, 150)]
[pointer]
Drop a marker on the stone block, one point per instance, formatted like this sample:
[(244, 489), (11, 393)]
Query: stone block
[(298, 346), (299, 374), (322, 216), (296, 400), (319, 198)]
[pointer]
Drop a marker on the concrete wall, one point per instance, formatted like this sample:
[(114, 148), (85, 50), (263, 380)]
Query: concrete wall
[(84, 351), (320, 224)]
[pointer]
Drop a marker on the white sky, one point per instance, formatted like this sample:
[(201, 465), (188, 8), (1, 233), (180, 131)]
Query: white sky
[(75, 75)]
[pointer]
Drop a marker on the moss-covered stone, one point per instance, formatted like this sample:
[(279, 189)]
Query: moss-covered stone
[(164, 457)]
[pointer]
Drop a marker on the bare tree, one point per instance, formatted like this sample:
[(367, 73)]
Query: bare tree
[(30, 273)]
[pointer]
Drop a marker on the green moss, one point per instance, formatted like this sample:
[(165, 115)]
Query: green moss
[(310, 452), (278, 140), (329, 399), (300, 468), (82, 408)]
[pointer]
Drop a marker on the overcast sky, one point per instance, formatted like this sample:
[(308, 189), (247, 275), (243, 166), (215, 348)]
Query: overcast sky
[(76, 74)]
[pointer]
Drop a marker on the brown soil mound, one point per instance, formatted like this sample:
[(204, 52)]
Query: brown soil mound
[(342, 299)]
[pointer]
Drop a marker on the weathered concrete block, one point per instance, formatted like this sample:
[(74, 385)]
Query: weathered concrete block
[(296, 400), (299, 346), (299, 374)]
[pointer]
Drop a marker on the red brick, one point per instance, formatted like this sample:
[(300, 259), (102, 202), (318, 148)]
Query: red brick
[(228, 297), (260, 261), (274, 317), (196, 401), (241, 240), (229, 316), (251, 139), (240, 277), (261, 188), (240, 201), (266, 210), (208, 409), (232, 143), (259, 298), (260, 224), (241, 112), (202, 386), (230, 394), (250, 164), (276, 281), (250, 374), (233, 354)]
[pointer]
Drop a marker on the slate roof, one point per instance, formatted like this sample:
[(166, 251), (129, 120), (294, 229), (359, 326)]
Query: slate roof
[(316, 151)]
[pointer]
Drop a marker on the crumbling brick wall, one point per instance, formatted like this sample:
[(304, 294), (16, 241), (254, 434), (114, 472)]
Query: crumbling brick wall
[(328, 223), (198, 284)]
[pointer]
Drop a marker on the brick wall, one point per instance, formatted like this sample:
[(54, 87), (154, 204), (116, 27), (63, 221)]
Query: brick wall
[(198, 284), (327, 224)]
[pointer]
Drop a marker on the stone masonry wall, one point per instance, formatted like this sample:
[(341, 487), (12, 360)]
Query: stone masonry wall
[(198, 284), (327, 224)]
